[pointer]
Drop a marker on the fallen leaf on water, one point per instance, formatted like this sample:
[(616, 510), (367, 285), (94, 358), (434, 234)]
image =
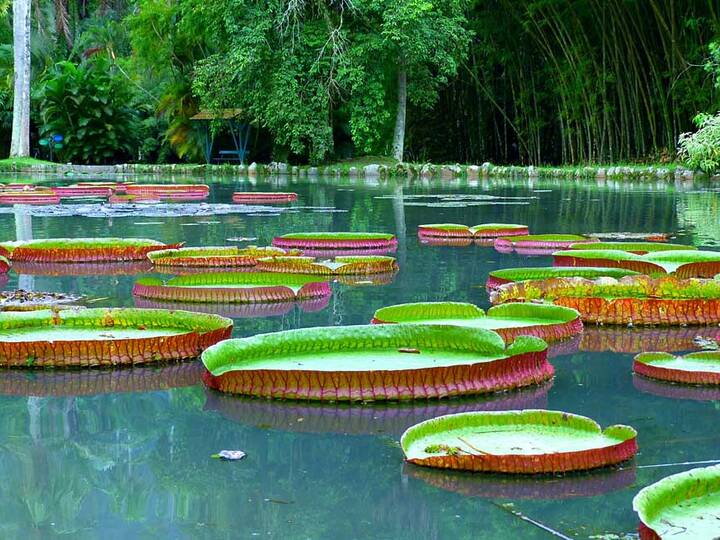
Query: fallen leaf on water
[(410, 351), (230, 455)]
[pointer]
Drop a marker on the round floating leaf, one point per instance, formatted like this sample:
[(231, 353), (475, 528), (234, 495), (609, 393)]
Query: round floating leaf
[(683, 505), (233, 287), (551, 323), (82, 249), (694, 368), (342, 265), (336, 240), (638, 300), (105, 337), (375, 362), (520, 442), (485, 230), (214, 257), (538, 241), (258, 197), (510, 275), (633, 247)]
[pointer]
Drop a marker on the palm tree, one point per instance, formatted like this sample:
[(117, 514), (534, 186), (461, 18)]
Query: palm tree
[(20, 144)]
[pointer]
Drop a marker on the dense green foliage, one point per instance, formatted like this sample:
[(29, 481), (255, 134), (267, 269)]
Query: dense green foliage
[(88, 106), (525, 81)]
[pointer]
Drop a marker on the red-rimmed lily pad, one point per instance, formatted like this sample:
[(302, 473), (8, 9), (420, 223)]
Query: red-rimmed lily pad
[(83, 249), (233, 287), (238, 311), (88, 382), (263, 197), (388, 418), (496, 278), (168, 190), (82, 191), (485, 230), (636, 300), (694, 368), (518, 442), (29, 196), (639, 248), (375, 363), (681, 263), (632, 236), (683, 506), (537, 244), (215, 257), (343, 265), (336, 240), (4, 265), (105, 337), (551, 323)]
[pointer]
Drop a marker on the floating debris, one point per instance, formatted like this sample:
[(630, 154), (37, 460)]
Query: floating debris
[(229, 455)]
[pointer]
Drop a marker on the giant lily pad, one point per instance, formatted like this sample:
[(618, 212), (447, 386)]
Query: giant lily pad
[(168, 190), (4, 265), (82, 249), (30, 196), (261, 197), (485, 230), (375, 362), (81, 191), (551, 323), (632, 236), (336, 240), (388, 418), (520, 442), (683, 506), (694, 368), (636, 300), (632, 247), (53, 382), (681, 263), (512, 275), (209, 257), (236, 310), (105, 337), (233, 287), (343, 265), (538, 244)]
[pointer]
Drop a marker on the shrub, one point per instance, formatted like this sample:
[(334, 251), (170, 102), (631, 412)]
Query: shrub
[(701, 150), (90, 107)]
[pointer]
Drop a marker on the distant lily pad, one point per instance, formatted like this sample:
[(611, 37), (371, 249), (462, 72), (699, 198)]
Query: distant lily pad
[(635, 300), (82, 249), (518, 442), (496, 278), (343, 265), (263, 197), (485, 230), (213, 257), (551, 323), (233, 287), (336, 240), (694, 368), (681, 263), (683, 506)]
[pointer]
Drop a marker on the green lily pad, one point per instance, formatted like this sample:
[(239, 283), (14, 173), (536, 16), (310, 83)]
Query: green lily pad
[(683, 506)]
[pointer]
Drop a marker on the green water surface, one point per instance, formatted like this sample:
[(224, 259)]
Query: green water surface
[(137, 464)]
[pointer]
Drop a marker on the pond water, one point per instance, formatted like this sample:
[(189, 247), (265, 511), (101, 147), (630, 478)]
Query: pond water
[(126, 454)]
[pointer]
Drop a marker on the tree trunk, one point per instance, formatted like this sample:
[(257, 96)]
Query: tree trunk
[(399, 138), (20, 145)]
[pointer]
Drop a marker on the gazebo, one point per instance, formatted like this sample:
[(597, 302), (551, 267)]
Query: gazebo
[(239, 131)]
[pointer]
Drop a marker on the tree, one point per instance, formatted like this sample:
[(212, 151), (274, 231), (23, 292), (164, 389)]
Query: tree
[(424, 41), (20, 144)]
